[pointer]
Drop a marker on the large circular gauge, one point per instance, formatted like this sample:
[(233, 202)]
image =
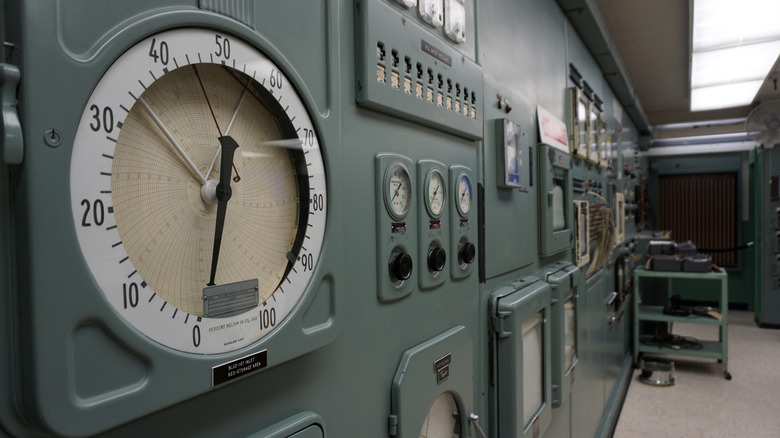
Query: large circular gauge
[(435, 193), (463, 194), (196, 175), (398, 190)]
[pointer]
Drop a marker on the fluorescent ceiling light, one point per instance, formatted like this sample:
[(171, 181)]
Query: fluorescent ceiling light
[(725, 23), (736, 64), (724, 96), (735, 44)]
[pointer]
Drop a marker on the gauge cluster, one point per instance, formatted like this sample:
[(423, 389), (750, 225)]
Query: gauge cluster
[(425, 224), (412, 67)]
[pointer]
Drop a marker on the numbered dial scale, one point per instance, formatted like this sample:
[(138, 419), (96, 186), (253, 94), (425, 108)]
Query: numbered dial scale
[(184, 124), (435, 192), (463, 195), (398, 190)]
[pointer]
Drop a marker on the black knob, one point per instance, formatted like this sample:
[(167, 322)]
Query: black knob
[(401, 266), (467, 253), (436, 259)]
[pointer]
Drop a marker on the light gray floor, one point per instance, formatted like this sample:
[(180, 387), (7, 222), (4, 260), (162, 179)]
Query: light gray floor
[(704, 404)]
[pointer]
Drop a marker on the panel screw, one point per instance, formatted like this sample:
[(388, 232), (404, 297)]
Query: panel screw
[(52, 137)]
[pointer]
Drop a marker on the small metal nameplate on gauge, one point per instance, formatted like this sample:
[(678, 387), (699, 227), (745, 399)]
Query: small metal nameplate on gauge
[(238, 368), (442, 368), (229, 299)]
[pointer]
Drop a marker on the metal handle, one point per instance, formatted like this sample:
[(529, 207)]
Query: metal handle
[(474, 420), (611, 299)]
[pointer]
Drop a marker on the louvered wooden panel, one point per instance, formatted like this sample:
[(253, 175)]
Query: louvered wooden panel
[(701, 208)]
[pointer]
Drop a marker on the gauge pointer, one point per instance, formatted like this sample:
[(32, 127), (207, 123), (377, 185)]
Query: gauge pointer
[(396, 191), (173, 141), (224, 192), (227, 132)]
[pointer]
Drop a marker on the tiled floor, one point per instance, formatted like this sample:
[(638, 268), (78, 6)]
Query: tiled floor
[(702, 403)]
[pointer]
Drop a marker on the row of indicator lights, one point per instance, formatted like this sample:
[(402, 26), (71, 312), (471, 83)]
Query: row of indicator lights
[(423, 92)]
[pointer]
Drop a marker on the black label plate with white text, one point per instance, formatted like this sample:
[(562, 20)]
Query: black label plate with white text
[(238, 368)]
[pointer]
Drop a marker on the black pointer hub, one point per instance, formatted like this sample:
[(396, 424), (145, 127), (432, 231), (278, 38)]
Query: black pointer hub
[(224, 192)]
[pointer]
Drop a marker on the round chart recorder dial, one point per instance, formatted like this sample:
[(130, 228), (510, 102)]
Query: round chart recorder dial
[(198, 191)]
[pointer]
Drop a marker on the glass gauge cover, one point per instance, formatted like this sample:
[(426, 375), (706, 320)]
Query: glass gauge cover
[(463, 195), (582, 124), (431, 11), (435, 193), (593, 129), (455, 20), (605, 143), (398, 191), (175, 119), (513, 158)]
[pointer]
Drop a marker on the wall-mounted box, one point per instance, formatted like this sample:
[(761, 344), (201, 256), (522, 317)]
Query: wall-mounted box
[(555, 200), (565, 281), (522, 400)]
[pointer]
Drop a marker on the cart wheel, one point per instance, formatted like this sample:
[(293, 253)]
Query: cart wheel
[(727, 375)]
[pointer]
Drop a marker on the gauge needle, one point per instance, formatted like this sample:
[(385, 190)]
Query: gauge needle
[(224, 192), (213, 116), (173, 141), (433, 196), (227, 132), (396, 191)]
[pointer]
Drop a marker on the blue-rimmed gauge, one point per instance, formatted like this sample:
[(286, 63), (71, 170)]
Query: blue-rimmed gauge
[(463, 195)]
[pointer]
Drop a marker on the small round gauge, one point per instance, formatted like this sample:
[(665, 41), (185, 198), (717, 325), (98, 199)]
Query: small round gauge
[(464, 194), (435, 193), (398, 190)]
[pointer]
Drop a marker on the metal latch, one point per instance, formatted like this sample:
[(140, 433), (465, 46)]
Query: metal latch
[(11, 142)]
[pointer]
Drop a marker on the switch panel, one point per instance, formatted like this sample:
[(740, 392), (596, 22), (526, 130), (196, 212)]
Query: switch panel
[(416, 75)]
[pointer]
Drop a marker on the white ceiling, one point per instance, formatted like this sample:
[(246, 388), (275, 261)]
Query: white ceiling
[(653, 39)]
